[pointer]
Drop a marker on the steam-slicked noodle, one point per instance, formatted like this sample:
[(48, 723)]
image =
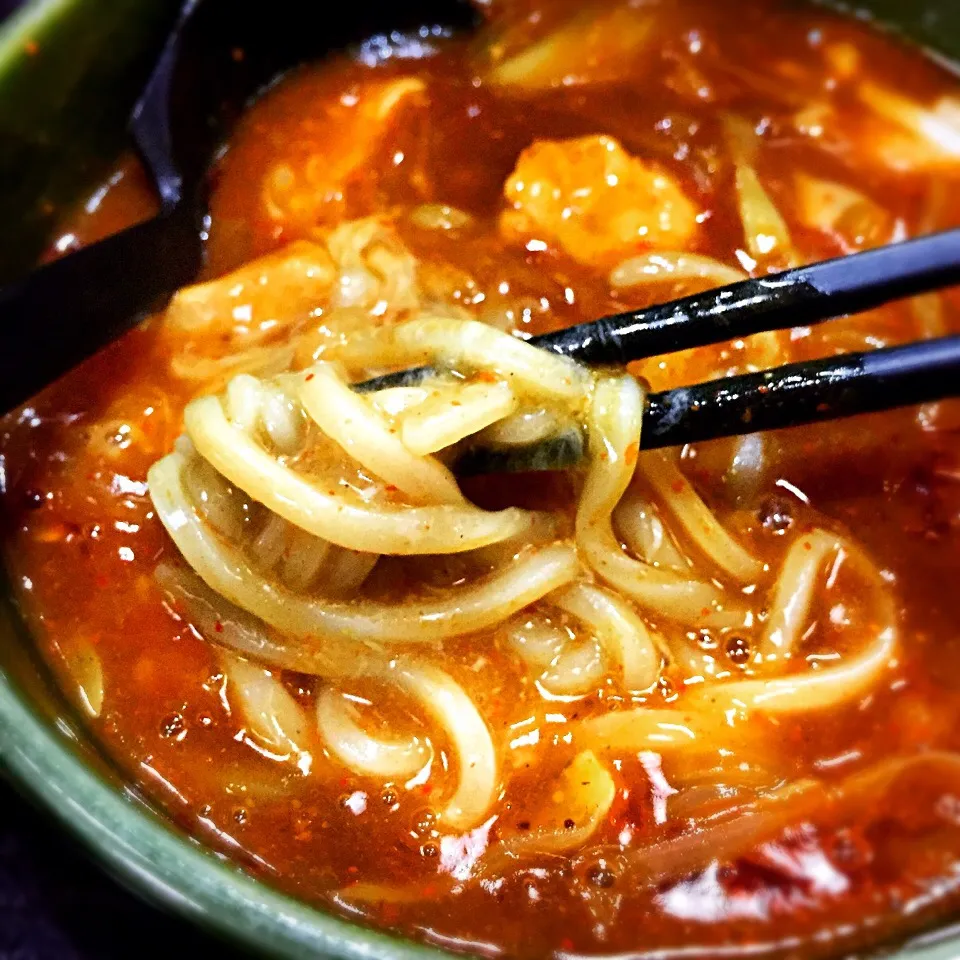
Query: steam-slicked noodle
[(358, 749), (576, 807), (229, 626), (623, 634), (346, 570), (351, 421), (275, 720), (396, 400), (640, 527), (436, 529), (215, 500), (692, 514), (587, 48), (812, 689), (303, 561), (673, 266), (441, 422), (614, 429), (818, 689), (304, 556), (577, 669), (281, 415), (438, 695), (448, 705), (226, 571), (793, 593), (471, 345), (538, 639), (523, 428), (664, 731)]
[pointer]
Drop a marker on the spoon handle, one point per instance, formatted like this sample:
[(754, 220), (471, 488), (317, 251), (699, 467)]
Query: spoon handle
[(67, 310)]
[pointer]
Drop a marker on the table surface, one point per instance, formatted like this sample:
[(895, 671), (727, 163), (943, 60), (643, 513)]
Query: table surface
[(56, 904)]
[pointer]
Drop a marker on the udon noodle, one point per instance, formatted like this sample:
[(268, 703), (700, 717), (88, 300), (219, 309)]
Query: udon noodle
[(286, 492)]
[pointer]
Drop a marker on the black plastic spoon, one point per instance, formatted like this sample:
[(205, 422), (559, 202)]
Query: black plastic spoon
[(219, 54)]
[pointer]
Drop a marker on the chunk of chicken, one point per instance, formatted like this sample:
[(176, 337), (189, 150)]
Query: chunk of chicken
[(595, 201)]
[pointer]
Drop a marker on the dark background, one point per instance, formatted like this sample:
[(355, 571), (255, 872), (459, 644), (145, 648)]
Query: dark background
[(55, 904)]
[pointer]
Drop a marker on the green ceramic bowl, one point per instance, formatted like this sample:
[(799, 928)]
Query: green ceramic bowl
[(69, 70)]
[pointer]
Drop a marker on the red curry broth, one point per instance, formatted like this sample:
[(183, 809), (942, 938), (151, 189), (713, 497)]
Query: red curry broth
[(82, 539)]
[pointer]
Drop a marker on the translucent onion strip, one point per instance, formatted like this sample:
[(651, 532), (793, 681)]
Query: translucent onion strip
[(533, 575), (665, 266), (697, 520), (623, 634), (443, 421), (614, 429), (446, 528), (576, 808), (765, 231), (361, 751), (350, 420), (746, 827)]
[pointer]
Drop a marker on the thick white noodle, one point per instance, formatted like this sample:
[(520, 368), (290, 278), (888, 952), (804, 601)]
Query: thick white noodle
[(819, 688), (359, 750), (696, 519), (464, 610), (449, 706), (623, 634), (441, 421), (277, 722), (812, 689), (673, 265), (471, 345), (638, 523), (793, 593), (349, 419), (614, 431), (446, 528)]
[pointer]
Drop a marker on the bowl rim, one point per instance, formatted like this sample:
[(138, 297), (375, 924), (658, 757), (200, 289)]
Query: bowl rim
[(142, 848), (136, 844)]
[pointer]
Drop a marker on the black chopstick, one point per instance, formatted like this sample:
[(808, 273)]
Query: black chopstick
[(800, 297), (787, 396), (808, 392)]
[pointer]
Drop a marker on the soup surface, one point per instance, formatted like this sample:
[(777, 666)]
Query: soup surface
[(677, 703)]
